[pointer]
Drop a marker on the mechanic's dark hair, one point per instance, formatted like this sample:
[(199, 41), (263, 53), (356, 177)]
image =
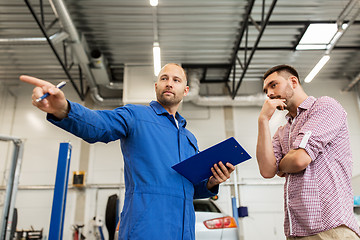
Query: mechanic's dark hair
[(282, 68)]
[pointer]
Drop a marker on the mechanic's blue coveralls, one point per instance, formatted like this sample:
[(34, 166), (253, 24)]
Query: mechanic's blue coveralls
[(158, 200)]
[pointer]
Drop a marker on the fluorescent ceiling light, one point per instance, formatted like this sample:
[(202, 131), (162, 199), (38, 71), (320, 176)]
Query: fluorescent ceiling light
[(157, 58), (317, 68), (154, 3), (338, 34), (311, 46), (319, 34)]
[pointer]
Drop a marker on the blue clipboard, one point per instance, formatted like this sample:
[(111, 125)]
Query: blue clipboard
[(198, 167)]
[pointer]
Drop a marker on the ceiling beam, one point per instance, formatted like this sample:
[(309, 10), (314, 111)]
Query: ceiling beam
[(294, 23), (64, 67), (247, 60)]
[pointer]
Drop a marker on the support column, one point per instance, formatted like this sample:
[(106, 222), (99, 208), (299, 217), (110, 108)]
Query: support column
[(230, 132), (83, 166)]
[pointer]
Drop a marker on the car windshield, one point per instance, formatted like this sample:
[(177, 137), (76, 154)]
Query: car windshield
[(205, 206)]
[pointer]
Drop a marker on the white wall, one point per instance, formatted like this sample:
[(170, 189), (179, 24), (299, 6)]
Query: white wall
[(7, 109), (264, 198), (39, 161)]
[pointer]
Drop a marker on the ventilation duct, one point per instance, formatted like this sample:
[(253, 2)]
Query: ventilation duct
[(79, 49), (256, 100), (99, 67), (194, 95)]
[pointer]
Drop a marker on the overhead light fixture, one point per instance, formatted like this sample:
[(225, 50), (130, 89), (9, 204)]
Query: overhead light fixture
[(338, 35), (317, 68), (154, 3), (320, 35), (157, 58), (311, 47), (156, 45)]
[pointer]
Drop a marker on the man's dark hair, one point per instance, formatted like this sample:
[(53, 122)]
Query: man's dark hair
[(281, 68)]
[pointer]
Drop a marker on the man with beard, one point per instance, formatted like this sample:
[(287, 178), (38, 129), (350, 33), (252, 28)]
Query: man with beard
[(312, 151), (158, 201)]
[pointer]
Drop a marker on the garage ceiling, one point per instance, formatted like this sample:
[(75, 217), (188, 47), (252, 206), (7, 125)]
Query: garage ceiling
[(207, 35)]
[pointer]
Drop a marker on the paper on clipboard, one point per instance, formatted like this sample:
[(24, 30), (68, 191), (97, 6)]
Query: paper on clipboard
[(198, 167)]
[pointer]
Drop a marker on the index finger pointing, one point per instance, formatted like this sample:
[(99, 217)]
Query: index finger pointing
[(35, 81)]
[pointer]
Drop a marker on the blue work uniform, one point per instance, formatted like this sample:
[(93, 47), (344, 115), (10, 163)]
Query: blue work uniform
[(158, 201)]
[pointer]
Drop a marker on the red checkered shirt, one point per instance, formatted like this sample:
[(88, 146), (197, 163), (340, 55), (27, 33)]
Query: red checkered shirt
[(320, 197)]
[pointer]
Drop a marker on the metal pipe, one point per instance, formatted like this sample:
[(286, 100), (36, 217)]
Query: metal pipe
[(55, 39), (11, 188), (258, 183), (78, 48), (43, 30), (194, 95), (340, 32), (352, 83), (80, 52), (347, 10), (65, 20), (51, 187), (17, 160)]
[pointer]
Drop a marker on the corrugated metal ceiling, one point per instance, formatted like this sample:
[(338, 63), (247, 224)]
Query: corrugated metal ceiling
[(191, 32)]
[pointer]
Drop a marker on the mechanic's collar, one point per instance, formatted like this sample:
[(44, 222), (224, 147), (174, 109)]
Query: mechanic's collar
[(160, 110)]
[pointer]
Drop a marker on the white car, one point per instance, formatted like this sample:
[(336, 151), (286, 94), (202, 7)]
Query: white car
[(211, 223)]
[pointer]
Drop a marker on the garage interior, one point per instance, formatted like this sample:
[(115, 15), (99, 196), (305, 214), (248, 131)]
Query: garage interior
[(104, 51)]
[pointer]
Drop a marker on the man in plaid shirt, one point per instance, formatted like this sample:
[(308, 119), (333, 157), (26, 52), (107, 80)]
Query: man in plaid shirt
[(312, 151)]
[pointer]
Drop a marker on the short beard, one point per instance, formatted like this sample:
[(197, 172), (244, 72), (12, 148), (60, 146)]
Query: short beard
[(168, 102), (289, 93)]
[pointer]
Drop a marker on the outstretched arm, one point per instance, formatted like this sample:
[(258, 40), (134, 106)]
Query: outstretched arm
[(55, 103)]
